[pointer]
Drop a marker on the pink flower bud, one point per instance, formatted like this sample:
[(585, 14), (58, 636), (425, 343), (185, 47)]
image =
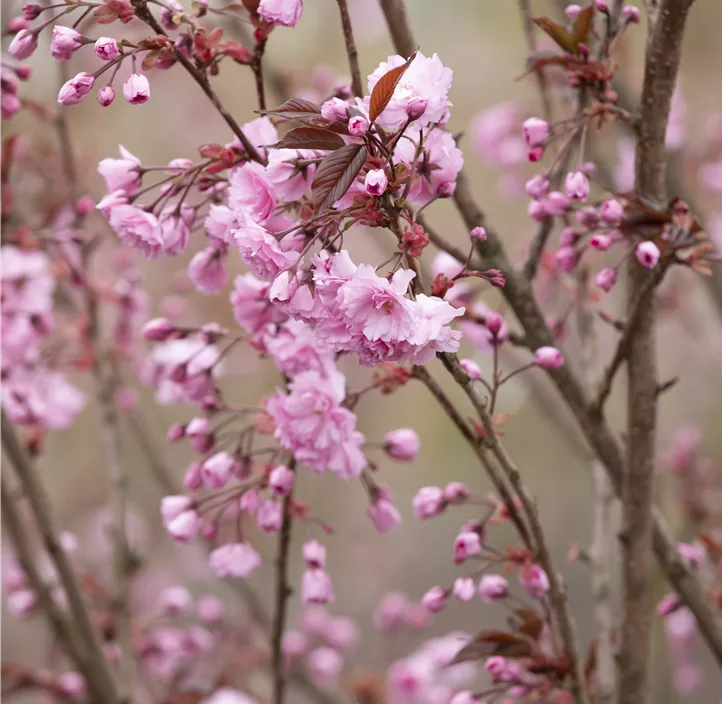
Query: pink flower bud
[(694, 554), (464, 588), (342, 633), (72, 683), (647, 254), (13, 578), (601, 5), (193, 479), (537, 187), (172, 506), (23, 44), (250, 502), (324, 666), (293, 645), (566, 258), (568, 237), (106, 48), (358, 126), (376, 182), (65, 42), (556, 203), (235, 560), (32, 11), (456, 493), (384, 515), (548, 358), (668, 604), (158, 329), (537, 210), (494, 323), (611, 211), (175, 600), (534, 579), (217, 470), (184, 527), (335, 110), (316, 587), (21, 602), (416, 107), (631, 14), (478, 234), (472, 369), (314, 554), (106, 96), (493, 587), (280, 480), (535, 154), (600, 242), (198, 426), (536, 132), (576, 186), (466, 545), (435, 600), (17, 24), (270, 516), (209, 609), (402, 444), (136, 89), (428, 502), (76, 89), (588, 218), (606, 279), (572, 11)]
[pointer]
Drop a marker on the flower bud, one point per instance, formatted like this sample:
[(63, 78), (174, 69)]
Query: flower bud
[(76, 89), (376, 182), (493, 587), (472, 369), (466, 545), (358, 126), (478, 234), (536, 132), (280, 480), (576, 186), (136, 89), (464, 589), (23, 44), (435, 599), (611, 211), (384, 515), (537, 187), (647, 254), (548, 358), (314, 554), (416, 107), (402, 444), (157, 329), (600, 242), (106, 48), (606, 279)]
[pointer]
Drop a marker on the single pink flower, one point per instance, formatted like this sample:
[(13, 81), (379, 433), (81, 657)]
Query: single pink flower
[(76, 89), (283, 12), (136, 90), (236, 560)]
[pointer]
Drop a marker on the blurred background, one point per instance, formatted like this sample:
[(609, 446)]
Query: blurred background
[(482, 41)]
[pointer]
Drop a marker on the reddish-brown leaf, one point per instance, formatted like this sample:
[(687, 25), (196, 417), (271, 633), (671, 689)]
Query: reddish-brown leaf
[(337, 127), (490, 643), (295, 109), (149, 60), (557, 33), (310, 138), (384, 89), (336, 173), (531, 625), (583, 26), (539, 61)]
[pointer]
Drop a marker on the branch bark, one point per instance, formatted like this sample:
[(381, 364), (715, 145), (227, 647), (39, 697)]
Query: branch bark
[(356, 84), (663, 54), (97, 669)]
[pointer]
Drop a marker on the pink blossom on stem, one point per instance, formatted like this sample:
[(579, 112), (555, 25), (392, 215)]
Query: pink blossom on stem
[(314, 554), (106, 95), (283, 12), (456, 493), (548, 358), (172, 506), (464, 589), (472, 369), (611, 211), (65, 42), (534, 580), (236, 560), (269, 516), (137, 229), (493, 587), (537, 186), (600, 242), (316, 587), (647, 254), (435, 599), (217, 470), (606, 279), (251, 189), (376, 182), (571, 11), (136, 90), (384, 515), (428, 502), (466, 545), (122, 174), (207, 269), (76, 89), (184, 527), (536, 132), (280, 480), (477, 234), (402, 444), (106, 48), (576, 186), (23, 44), (335, 110), (358, 126), (631, 14)]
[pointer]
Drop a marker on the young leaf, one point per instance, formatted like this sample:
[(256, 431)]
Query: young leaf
[(294, 109), (583, 26), (309, 138), (531, 625), (384, 89), (337, 127), (336, 173), (489, 643), (557, 33), (540, 60)]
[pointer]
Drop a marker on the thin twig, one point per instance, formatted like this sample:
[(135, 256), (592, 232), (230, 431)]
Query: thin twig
[(528, 24), (97, 665), (283, 591), (557, 592), (356, 84)]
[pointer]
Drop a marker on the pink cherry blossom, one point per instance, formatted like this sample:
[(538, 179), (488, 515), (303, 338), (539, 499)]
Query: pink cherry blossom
[(76, 89), (536, 131), (121, 174), (466, 545), (576, 186), (259, 250), (493, 587), (137, 229), (65, 42), (316, 587), (23, 44), (534, 580), (136, 90), (280, 480), (251, 190), (647, 254), (464, 588), (428, 502), (384, 515), (106, 48), (236, 560), (605, 279), (402, 444), (548, 358), (283, 12), (207, 269), (376, 182)]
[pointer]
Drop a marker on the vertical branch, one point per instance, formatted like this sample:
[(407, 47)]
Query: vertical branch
[(399, 27), (356, 84), (605, 687), (97, 668), (541, 76), (666, 20), (283, 591)]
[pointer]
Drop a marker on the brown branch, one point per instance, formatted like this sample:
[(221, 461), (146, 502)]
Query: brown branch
[(144, 14), (97, 668), (283, 591), (356, 83), (557, 592), (517, 292), (541, 76), (663, 54)]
